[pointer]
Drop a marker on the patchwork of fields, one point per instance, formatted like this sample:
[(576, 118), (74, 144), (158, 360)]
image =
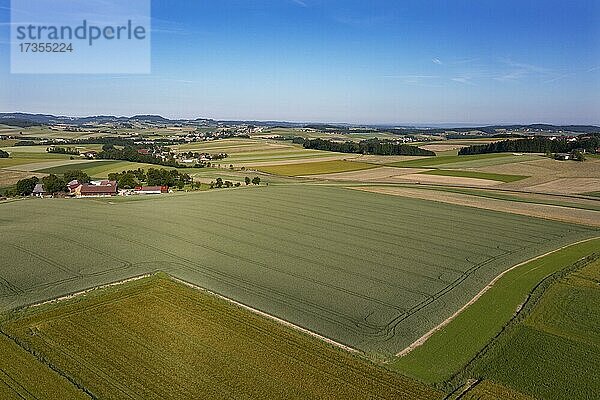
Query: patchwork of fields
[(371, 271), (157, 339)]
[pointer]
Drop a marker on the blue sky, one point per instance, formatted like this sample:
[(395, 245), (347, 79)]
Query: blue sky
[(399, 62)]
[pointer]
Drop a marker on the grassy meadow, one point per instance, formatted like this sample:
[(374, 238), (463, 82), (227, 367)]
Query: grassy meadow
[(200, 346)]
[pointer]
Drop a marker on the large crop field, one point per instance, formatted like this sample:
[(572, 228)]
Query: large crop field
[(158, 339), (371, 271)]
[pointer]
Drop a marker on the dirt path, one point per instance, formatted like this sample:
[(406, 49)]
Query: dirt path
[(419, 342)]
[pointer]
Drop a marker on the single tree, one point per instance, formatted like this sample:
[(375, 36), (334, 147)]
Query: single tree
[(247, 180), (256, 180), (25, 186)]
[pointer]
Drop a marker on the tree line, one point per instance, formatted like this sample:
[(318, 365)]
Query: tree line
[(370, 146), (131, 153), (536, 144), (153, 177)]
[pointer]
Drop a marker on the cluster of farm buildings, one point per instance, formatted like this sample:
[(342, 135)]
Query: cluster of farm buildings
[(104, 188)]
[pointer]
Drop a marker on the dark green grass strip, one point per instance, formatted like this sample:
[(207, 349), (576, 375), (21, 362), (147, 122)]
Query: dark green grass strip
[(431, 161), (451, 348), (61, 169)]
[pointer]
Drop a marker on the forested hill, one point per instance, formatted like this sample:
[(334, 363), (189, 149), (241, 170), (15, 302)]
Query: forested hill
[(537, 145)]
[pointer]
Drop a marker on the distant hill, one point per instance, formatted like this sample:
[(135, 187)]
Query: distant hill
[(25, 119)]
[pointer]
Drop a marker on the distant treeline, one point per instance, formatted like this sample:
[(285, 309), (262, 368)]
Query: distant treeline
[(370, 146), (536, 145), (62, 150)]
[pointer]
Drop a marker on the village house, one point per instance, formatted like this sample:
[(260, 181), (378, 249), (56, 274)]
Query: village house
[(102, 189), (151, 189), (38, 190)]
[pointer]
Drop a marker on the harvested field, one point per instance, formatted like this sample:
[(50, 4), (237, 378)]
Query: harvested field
[(157, 339), (553, 176), (568, 186), (8, 177), (558, 213), (371, 271)]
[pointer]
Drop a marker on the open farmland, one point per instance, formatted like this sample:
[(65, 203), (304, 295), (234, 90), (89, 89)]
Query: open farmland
[(316, 168), (101, 341), (584, 214), (371, 271), (452, 347), (254, 152), (22, 376), (554, 352)]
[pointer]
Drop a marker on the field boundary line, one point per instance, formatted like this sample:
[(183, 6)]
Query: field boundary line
[(419, 342), (86, 291), (269, 316)]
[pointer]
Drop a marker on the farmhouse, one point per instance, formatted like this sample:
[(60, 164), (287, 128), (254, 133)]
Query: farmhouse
[(151, 189), (73, 185), (105, 189), (38, 190)]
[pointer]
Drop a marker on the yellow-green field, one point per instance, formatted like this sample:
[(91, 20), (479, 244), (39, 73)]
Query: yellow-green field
[(315, 168), (158, 339)]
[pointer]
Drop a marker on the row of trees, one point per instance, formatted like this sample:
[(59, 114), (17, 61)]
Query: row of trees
[(153, 177), (219, 183), (62, 150), (536, 145), (52, 184), (130, 153), (370, 146)]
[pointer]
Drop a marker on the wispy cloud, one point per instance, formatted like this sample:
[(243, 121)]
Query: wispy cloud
[(437, 61), (417, 80), (300, 3), (464, 80)]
